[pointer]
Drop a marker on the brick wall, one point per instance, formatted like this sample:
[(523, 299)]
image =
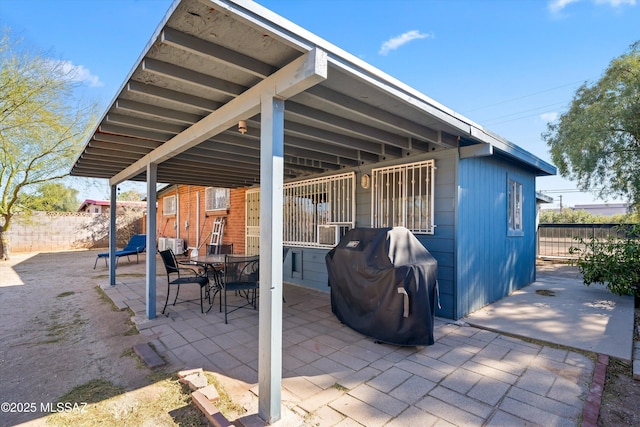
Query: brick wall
[(190, 201)]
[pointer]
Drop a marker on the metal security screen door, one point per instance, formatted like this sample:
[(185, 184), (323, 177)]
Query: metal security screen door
[(252, 226), (403, 195)]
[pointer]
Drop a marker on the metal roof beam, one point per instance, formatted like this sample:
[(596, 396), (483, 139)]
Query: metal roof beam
[(332, 138), (126, 140), (154, 111), (368, 112), (216, 53), (180, 98), (121, 147), (300, 74), (346, 126), (191, 77), (134, 133), (137, 122), (111, 153)]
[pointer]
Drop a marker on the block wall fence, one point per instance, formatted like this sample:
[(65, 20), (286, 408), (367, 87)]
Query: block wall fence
[(59, 231)]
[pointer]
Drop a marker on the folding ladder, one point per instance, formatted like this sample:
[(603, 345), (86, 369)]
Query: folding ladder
[(217, 232)]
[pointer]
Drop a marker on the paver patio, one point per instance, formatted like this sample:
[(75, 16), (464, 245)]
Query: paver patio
[(334, 376)]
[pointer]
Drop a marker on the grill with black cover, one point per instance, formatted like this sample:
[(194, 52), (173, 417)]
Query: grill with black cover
[(383, 283)]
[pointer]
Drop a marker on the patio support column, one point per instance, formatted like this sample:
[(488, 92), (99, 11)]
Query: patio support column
[(152, 172), (113, 213), (270, 311)]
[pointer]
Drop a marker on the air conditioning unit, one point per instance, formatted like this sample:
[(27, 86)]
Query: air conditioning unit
[(176, 245), (330, 234), (162, 243)]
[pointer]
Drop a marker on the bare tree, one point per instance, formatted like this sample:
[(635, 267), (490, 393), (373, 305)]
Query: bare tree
[(42, 125)]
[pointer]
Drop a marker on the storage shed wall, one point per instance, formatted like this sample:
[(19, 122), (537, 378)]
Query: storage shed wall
[(491, 263)]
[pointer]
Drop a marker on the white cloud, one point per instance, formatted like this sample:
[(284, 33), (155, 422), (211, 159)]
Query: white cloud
[(395, 42), (549, 117), (76, 73), (556, 6), (617, 3)]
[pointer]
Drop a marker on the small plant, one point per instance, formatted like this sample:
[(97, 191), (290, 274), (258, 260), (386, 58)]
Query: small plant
[(65, 294), (340, 387), (612, 261)]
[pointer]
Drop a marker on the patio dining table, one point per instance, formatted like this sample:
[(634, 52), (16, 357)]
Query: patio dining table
[(213, 266)]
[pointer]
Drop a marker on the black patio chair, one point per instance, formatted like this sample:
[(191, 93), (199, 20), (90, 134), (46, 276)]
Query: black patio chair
[(241, 275), (216, 273), (178, 275)]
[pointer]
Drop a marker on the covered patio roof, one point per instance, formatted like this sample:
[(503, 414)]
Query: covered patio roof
[(206, 54), (310, 108)]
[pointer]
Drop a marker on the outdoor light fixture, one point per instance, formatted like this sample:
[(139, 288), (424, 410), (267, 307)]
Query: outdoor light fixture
[(242, 127)]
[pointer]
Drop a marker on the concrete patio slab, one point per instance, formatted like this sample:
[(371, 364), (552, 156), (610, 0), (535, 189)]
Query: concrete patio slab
[(562, 310)]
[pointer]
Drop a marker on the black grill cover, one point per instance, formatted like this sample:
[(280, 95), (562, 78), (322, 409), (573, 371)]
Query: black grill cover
[(368, 272)]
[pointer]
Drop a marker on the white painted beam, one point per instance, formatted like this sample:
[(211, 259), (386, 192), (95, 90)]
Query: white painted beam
[(476, 150), (271, 217), (302, 73)]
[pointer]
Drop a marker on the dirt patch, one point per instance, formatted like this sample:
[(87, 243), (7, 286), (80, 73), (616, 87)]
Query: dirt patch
[(57, 332), (621, 392)]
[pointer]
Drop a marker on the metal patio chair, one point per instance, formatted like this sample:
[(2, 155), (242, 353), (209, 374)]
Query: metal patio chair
[(178, 275), (241, 275)]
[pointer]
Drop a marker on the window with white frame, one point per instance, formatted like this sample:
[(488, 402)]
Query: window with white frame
[(169, 205), (403, 195), (318, 211), (216, 199), (514, 214)]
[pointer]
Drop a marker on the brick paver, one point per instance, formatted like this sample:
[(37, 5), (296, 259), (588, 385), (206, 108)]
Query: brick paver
[(334, 376)]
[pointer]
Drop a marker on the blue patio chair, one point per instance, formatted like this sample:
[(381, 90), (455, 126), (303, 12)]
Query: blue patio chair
[(137, 244)]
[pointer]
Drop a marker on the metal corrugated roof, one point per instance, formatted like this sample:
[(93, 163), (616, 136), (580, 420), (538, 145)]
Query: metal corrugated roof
[(207, 53)]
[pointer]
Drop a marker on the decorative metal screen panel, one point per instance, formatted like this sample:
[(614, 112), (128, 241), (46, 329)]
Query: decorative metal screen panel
[(317, 210), (403, 195)]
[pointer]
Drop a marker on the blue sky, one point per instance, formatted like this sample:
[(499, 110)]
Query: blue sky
[(509, 65)]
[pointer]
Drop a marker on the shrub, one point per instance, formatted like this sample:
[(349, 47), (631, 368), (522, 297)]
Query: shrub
[(612, 261)]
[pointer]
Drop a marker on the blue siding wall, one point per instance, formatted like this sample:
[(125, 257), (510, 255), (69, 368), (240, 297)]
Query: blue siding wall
[(441, 244), (312, 270), (490, 263)]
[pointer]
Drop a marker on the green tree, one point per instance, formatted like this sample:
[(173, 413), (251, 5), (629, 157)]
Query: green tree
[(579, 216), (51, 197), (130, 196), (597, 141), (613, 261), (42, 126)]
